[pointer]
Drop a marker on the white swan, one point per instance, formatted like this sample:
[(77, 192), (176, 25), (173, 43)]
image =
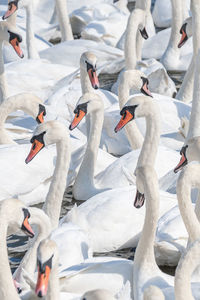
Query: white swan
[(146, 271), (14, 215), (28, 103), (65, 26), (158, 78), (32, 51), (186, 89), (7, 35), (44, 135)]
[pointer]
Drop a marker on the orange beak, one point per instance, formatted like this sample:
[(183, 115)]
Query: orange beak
[(40, 117), (14, 42), (78, 117), (11, 9), (42, 282), (36, 147), (127, 117), (26, 227), (183, 37), (182, 163), (93, 79)]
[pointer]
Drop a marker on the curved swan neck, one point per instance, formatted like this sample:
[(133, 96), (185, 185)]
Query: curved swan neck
[(135, 19), (185, 183), (7, 289), (194, 124), (184, 270), (3, 82), (173, 52), (86, 86), (65, 26), (90, 156), (186, 90), (52, 205), (151, 141), (30, 38), (145, 249)]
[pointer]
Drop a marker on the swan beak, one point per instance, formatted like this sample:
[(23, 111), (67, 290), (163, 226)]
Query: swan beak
[(42, 282), (17, 286), (184, 37), (12, 7), (145, 90), (78, 117), (126, 117), (14, 42), (93, 78), (144, 33), (26, 227), (139, 200), (36, 147), (40, 117), (182, 163)]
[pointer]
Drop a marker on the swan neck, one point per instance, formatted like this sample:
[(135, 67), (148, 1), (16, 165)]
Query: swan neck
[(184, 270), (53, 202), (187, 212), (3, 82), (130, 51), (151, 141), (86, 86), (30, 38), (65, 26), (143, 4), (145, 249), (90, 157), (7, 289)]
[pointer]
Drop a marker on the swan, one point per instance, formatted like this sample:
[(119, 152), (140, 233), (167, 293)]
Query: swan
[(28, 103), (186, 31), (146, 271), (186, 89), (133, 51), (148, 153), (7, 35), (32, 52), (153, 293), (64, 22), (14, 216), (48, 268), (96, 208), (46, 134)]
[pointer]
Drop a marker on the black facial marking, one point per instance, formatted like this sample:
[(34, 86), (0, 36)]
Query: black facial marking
[(145, 81), (139, 200), (144, 33), (82, 107), (183, 150), (26, 213), (10, 4), (130, 108), (183, 28), (39, 138), (41, 109), (14, 35), (42, 267), (89, 67)]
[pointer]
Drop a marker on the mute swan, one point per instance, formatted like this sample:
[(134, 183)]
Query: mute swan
[(98, 295), (14, 216), (44, 135), (186, 31), (186, 89), (84, 278), (29, 103), (133, 51), (137, 107), (7, 35), (153, 293), (146, 271)]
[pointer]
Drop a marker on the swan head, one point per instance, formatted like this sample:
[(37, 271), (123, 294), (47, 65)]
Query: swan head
[(47, 258), (88, 62), (98, 294), (17, 216), (134, 80), (86, 104), (136, 107), (12, 8), (185, 31), (46, 134), (10, 35), (189, 152)]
